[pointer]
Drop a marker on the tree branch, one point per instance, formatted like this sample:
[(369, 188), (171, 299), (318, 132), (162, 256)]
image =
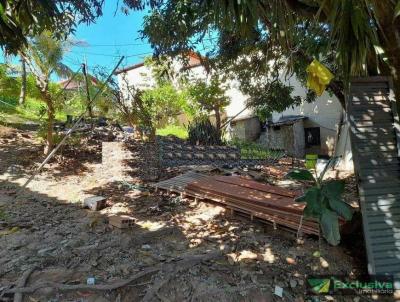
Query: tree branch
[(185, 262)]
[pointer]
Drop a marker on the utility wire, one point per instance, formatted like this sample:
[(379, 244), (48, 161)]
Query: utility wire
[(110, 55), (129, 44)]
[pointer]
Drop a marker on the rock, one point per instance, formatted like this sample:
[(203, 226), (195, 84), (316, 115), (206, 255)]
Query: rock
[(231, 258), (247, 256), (146, 247), (323, 262), (267, 256), (278, 291), (45, 251)]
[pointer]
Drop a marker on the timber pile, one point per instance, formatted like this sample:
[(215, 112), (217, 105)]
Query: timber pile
[(266, 202)]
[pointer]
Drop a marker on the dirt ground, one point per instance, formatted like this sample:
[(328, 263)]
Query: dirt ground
[(178, 249)]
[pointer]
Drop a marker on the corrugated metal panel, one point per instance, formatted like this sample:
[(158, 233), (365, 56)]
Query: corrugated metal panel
[(375, 145)]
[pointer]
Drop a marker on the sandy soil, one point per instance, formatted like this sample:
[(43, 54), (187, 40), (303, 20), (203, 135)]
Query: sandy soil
[(178, 250)]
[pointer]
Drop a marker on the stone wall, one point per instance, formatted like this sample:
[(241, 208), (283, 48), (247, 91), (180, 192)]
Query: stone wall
[(174, 154)]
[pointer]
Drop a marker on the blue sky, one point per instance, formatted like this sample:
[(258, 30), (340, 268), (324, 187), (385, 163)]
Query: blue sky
[(109, 38), (112, 35)]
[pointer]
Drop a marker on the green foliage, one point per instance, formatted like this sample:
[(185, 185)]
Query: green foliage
[(351, 38), (268, 97), (162, 69), (208, 96), (29, 17), (9, 86), (161, 105), (33, 110), (324, 201), (301, 175), (202, 132), (245, 56), (178, 131), (252, 150)]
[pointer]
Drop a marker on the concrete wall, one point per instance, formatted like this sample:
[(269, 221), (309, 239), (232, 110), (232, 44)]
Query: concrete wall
[(324, 113), (286, 137), (245, 129)]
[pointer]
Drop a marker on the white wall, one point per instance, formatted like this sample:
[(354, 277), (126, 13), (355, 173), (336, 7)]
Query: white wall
[(140, 77), (324, 113)]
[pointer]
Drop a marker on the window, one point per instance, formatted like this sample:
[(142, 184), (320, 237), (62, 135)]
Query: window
[(312, 136)]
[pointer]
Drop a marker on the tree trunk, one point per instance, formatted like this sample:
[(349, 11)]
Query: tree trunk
[(218, 121), (217, 118), (50, 121), (152, 136), (90, 111), (22, 95)]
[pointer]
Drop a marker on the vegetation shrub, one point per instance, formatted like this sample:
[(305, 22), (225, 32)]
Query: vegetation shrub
[(202, 132)]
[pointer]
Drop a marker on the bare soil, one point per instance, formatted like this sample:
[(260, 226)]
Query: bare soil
[(45, 227)]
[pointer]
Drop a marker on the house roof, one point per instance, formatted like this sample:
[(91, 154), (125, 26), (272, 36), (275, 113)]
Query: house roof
[(287, 120), (76, 84), (194, 61), (243, 117), (122, 70)]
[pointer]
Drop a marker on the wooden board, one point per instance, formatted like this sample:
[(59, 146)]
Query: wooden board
[(246, 194), (268, 203), (240, 181)]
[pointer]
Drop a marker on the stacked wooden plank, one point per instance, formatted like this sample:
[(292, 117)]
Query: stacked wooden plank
[(266, 202)]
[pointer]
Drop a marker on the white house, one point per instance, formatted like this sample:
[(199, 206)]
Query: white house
[(319, 127)]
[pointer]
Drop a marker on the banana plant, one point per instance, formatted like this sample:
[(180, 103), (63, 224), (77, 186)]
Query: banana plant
[(324, 201)]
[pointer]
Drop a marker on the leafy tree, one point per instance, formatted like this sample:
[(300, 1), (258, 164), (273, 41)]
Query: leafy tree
[(351, 37), (77, 99), (43, 57), (9, 85), (157, 106), (209, 97)]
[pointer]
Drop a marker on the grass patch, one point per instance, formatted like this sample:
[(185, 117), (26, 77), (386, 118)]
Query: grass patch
[(178, 131), (252, 150), (33, 110)]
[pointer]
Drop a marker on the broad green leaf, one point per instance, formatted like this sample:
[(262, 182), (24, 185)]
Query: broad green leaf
[(341, 208), (313, 199), (317, 254), (330, 226), (300, 174), (334, 188)]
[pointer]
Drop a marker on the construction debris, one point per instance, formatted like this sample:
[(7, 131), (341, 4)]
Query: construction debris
[(121, 221), (95, 203)]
